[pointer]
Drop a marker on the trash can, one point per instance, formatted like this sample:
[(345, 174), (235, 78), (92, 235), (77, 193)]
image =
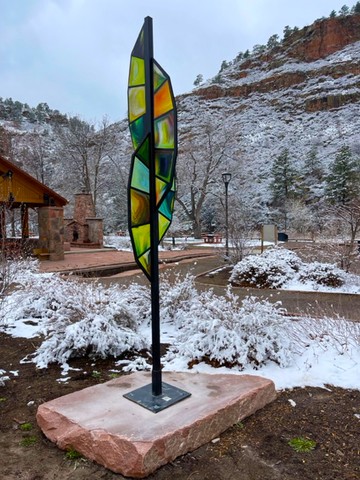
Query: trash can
[(283, 237)]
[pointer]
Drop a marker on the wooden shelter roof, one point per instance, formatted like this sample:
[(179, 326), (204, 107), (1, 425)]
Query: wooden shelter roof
[(18, 187)]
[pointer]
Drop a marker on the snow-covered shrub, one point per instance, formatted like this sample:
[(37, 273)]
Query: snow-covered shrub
[(271, 269), (223, 332), (12, 271), (176, 296), (325, 274), (120, 243), (3, 378)]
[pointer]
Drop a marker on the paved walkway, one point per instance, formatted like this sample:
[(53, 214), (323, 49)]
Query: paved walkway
[(82, 261)]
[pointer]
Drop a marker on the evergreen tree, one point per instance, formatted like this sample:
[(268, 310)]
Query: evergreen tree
[(356, 8), (344, 10), (342, 183), (247, 53), (313, 176), (198, 80), (284, 183), (287, 32), (333, 14), (224, 64), (273, 41)]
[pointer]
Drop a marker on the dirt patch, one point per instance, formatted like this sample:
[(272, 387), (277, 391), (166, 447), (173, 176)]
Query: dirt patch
[(255, 449)]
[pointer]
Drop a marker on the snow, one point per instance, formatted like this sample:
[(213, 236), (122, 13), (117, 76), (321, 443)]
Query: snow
[(248, 337)]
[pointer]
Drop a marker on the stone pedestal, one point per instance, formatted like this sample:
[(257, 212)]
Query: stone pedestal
[(51, 232), (129, 439)]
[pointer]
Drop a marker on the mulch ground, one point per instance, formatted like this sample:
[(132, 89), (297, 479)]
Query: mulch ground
[(255, 449)]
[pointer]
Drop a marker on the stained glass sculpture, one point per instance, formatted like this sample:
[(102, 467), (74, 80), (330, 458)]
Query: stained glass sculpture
[(153, 129)]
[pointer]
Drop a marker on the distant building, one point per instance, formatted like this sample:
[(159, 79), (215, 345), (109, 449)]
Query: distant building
[(21, 191)]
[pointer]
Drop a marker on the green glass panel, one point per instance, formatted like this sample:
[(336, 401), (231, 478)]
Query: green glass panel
[(160, 190), (145, 262), (137, 131), (137, 72), (140, 208), (164, 164), (164, 131), (141, 236), (159, 76), (140, 176), (164, 224), (137, 104), (144, 152), (167, 206)]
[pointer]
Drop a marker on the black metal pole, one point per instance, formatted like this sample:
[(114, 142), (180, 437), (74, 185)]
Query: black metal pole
[(154, 222), (226, 221)]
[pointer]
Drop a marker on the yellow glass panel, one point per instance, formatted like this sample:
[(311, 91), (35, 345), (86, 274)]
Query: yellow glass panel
[(164, 131), (145, 262), (137, 105), (160, 189), (163, 226), (137, 72), (162, 100), (141, 236)]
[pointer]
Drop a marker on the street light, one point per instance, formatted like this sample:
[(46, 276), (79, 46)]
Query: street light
[(226, 179)]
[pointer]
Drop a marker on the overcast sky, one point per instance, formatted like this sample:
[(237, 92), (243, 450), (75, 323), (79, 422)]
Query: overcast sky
[(74, 54)]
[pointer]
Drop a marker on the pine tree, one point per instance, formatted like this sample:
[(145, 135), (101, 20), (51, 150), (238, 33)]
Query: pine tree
[(284, 176), (198, 80), (313, 176), (356, 8), (342, 183)]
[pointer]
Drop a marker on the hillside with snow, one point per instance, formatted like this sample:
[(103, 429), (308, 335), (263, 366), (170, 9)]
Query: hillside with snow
[(301, 94)]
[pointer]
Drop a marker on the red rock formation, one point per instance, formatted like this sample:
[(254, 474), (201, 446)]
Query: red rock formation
[(309, 44)]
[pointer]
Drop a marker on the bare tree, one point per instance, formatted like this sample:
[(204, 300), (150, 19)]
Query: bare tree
[(86, 150), (198, 169)]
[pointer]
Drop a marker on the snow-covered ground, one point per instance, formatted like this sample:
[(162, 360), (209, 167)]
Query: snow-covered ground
[(254, 336)]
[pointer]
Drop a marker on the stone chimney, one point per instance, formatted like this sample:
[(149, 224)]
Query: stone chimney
[(84, 207)]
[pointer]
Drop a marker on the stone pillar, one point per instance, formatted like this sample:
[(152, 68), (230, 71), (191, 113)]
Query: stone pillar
[(96, 234), (51, 231)]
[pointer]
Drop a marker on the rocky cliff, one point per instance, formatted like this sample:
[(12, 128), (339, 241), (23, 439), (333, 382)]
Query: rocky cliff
[(324, 52)]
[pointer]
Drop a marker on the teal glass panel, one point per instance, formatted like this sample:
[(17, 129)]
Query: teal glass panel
[(140, 176), (164, 164), (137, 131), (167, 206)]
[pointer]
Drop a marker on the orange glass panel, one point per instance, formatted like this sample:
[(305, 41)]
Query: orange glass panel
[(163, 100)]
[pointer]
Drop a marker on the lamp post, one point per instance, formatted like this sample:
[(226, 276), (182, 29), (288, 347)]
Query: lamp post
[(226, 179)]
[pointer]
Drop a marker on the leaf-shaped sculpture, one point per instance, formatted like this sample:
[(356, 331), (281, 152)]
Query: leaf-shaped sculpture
[(153, 129)]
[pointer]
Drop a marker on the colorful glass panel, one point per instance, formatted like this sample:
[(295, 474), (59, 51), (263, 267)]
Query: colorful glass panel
[(165, 131), (161, 189), (140, 176), (137, 102), (141, 237), (140, 212), (159, 76), (137, 72), (137, 131), (162, 100), (164, 164)]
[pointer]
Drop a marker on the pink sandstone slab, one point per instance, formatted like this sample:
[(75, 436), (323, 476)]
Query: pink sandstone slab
[(126, 438)]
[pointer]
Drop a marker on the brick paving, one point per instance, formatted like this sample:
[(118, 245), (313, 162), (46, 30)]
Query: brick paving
[(87, 260)]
